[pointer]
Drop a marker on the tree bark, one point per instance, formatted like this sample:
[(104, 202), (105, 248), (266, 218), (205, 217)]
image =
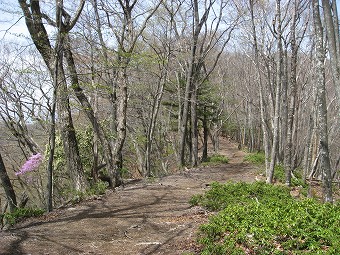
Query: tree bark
[(122, 96), (325, 166), (262, 106), (8, 187), (332, 29), (279, 75), (190, 86), (194, 125), (154, 114), (205, 136), (86, 106), (293, 90)]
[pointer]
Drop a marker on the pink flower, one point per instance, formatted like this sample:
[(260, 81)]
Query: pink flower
[(31, 164)]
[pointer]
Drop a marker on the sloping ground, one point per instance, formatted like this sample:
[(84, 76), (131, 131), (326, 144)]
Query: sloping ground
[(141, 218)]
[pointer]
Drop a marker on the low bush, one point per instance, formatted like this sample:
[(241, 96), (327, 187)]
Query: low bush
[(98, 188), (280, 176), (255, 158), (222, 195), (216, 159), (279, 172), (21, 213), (259, 218)]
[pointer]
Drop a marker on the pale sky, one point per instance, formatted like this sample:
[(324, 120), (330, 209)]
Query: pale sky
[(12, 25)]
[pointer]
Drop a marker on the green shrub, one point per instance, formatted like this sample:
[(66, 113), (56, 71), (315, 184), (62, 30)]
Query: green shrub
[(221, 195), (255, 158), (99, 188), (280, 176), (21, 213), (279, 173), (263, 219), (216, 158)]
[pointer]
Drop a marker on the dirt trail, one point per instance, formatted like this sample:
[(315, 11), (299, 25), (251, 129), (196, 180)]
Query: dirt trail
[(139, 219)]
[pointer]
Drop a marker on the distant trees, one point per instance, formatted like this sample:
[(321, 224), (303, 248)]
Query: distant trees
[(285, 99)]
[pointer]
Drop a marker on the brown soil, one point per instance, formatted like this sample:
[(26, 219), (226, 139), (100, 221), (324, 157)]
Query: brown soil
[(141, 218)]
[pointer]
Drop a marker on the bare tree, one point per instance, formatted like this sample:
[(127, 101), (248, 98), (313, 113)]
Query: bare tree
[(279, 77), (127, 34), (34, 22), (331, 19), (207, 39), (295, 42), (259, 75), (321, 105)]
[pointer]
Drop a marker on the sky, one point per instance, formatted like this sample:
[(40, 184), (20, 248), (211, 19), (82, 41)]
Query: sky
[(12, 24)]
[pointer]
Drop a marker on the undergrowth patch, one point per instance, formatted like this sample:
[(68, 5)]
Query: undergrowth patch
[(20, 214), (257, 158), (259, 218), (216, 159)]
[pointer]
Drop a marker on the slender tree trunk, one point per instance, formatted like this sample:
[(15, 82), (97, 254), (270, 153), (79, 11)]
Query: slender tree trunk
[(325, 166), (308, 148), (68, 136), (122, 96), (191, 86), (332, 29), (279, 76), (194, 126), (112, 86), (95, 148), (262, 108), (51, 145), (52, 136), (87, 107), (293, 89), (153, 119), (284, 108), (186, 104), (8, 187), (205, 136)]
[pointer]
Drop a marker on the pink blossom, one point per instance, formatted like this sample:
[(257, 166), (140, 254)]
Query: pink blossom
[(31, 164)]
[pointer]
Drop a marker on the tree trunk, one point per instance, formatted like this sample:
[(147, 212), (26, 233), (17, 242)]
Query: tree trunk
[(293, 89), (279, 76), (95, 141), (205, 136), (191, 86), (52, 135), (51, 145), (194, 126), (8, 188), (69, 139), (87, 107), (153, 119), (36, 28), (186, 104), (332, 29), (262, 107), (321, 105), (122, 96)]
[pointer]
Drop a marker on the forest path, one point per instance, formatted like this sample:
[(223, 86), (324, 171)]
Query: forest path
[(139, 219)]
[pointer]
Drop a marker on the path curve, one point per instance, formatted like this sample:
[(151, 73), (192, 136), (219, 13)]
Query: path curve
[(139, 219)]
